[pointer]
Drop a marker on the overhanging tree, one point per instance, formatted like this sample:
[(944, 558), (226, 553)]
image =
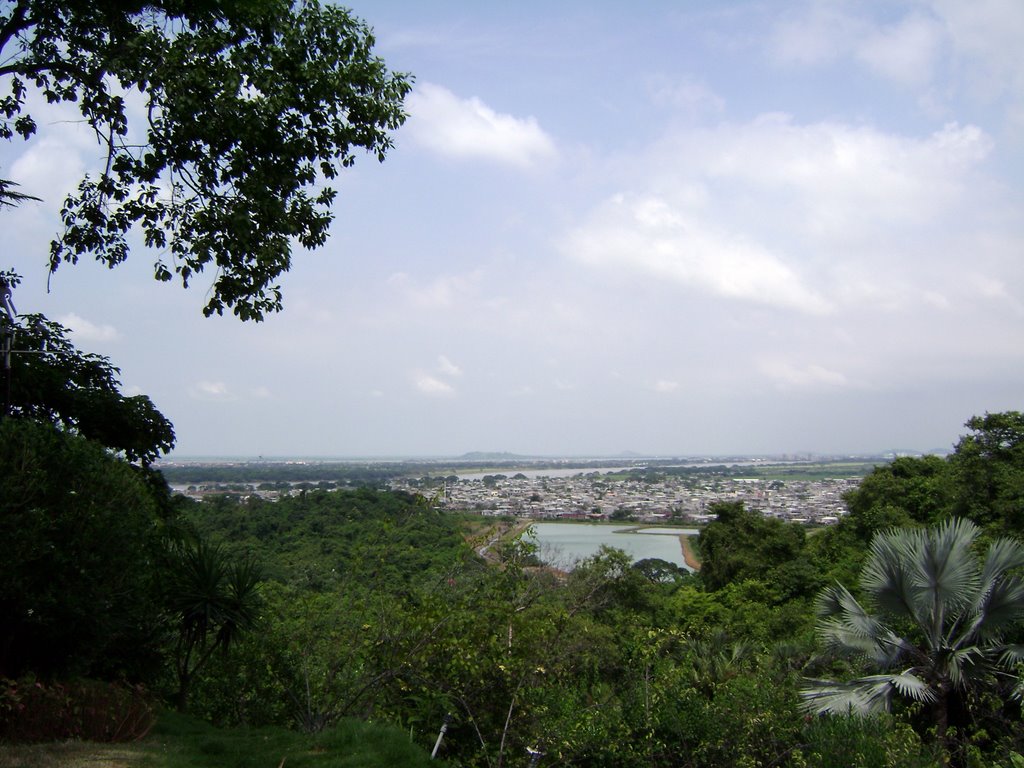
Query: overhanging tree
[(248, 110)]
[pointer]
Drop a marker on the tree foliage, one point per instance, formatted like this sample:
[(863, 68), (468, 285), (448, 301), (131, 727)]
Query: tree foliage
[(51, 381), (79, 536), (743, 544), (987, 468), (248, 109)]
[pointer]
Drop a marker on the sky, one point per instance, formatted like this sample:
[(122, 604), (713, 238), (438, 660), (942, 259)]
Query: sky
[(700, 228)]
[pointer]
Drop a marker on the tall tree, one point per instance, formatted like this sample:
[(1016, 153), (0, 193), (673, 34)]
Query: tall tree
[(250, 108), (744, 544), (934, 626), (988, 467)]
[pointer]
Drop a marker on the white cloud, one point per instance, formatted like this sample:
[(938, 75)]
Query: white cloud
[(84, 330), (665, 386), (844, 173), (447, 367), (648, 235), (979, 41), (210, 390), (905, 52), (687, 94), (439, 293), (821, 34), (468, 128), (986, 35), (808, 376), (431, 385), (816, 217), (435, 384)]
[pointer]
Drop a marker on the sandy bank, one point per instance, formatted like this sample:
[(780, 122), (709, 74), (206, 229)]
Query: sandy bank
[(689, 556)]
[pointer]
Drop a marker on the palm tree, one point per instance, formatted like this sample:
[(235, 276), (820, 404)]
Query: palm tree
[(934, 627), (212, 601), (10, 197), (716, 659)]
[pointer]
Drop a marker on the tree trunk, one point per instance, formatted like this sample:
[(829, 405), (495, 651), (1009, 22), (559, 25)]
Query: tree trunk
[(940, 710), (181, 699)]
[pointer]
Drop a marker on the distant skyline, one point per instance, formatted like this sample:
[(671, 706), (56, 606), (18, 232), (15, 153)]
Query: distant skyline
[(705, 228)]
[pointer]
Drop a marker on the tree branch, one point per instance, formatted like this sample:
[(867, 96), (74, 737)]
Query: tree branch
[(17, 22)]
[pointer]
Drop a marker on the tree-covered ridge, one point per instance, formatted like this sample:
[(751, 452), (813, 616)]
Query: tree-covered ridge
[(320, 538)]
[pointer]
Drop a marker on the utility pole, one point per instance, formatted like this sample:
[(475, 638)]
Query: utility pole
[(7, 329)]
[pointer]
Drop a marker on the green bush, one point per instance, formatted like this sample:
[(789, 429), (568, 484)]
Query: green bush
[(880, 741)]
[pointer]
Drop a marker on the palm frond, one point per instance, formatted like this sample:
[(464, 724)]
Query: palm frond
[(1001, 596), (963, 606), (960, 661), (863, 696), (946, 574), (999, 599), (9, 197), (912, 687), (949, 566), (845, 625), (887, 575), (1012, 655), (821, 697)]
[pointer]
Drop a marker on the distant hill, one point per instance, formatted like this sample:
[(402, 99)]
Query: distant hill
[(493, 456)]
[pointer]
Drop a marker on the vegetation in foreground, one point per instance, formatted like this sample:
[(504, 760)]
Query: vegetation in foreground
[(181, 741)]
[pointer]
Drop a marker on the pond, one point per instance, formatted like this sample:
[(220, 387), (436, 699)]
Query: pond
[(563, 544)]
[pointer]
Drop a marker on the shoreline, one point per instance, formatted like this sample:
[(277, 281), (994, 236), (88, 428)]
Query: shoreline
[(689, 556)]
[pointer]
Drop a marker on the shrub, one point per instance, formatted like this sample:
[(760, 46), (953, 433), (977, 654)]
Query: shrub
[(32, 711)]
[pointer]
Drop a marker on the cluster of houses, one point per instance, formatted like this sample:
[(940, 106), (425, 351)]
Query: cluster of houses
[(606, 497), (595, 495)]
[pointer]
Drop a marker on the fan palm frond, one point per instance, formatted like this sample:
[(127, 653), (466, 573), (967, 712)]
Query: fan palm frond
[(864, 695), (961, 608), (886, 575)]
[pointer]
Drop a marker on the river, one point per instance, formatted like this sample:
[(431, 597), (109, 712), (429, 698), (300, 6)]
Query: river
[(563, 544)]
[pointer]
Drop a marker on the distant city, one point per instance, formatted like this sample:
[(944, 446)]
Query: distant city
[(802, 489), (594, 496)]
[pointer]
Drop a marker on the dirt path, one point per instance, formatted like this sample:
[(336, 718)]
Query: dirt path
[(500, 532), (72, 754)]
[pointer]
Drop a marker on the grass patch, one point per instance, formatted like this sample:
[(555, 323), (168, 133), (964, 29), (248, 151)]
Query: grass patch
[(73, 754), (179, 741)]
